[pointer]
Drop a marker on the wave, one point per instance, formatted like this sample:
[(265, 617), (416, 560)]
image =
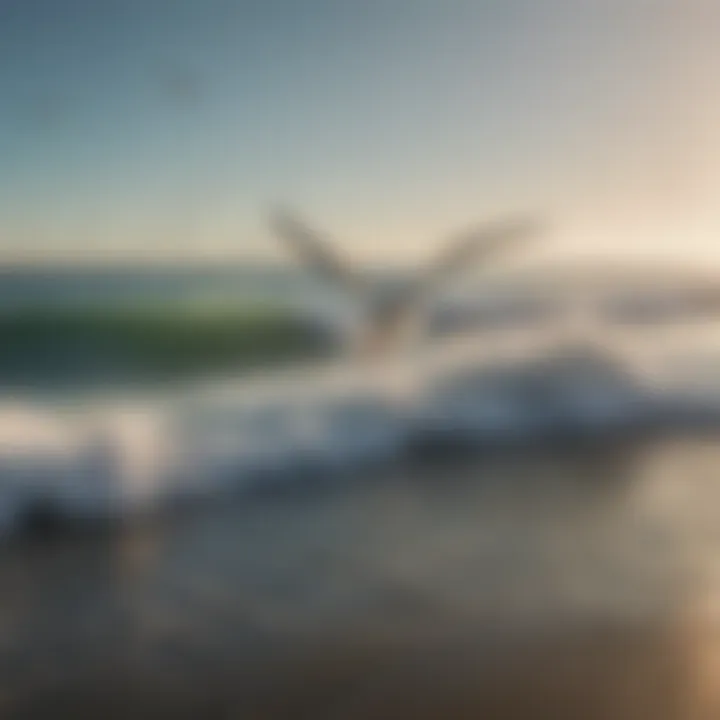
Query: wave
[(146, 343), (107, 458)]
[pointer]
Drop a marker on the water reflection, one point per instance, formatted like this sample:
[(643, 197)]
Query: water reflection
[(560, 570)]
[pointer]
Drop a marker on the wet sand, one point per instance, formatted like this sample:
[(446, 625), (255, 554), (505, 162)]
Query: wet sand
[(610, 673), (563, 585)]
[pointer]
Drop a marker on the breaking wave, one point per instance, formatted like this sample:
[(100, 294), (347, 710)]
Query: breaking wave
[(110, 457)]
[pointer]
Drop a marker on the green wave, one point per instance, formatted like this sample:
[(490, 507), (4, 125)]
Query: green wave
[(150, 341)]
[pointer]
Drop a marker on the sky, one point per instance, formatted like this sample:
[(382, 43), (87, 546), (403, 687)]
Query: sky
[(167, 128)]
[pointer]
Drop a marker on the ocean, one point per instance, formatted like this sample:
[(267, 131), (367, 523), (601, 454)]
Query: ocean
[(572, 579), (29, 285)]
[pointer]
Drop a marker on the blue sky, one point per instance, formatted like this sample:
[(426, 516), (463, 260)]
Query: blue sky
[(167, 127)]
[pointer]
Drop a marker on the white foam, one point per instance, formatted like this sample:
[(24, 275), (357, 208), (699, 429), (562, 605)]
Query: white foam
[(122, 455), (117, 456)]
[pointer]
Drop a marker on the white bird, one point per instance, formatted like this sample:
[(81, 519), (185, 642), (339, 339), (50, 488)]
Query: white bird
[(392, 312)]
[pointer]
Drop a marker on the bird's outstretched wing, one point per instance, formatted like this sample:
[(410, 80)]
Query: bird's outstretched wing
[(476, 246), (312, 248)]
